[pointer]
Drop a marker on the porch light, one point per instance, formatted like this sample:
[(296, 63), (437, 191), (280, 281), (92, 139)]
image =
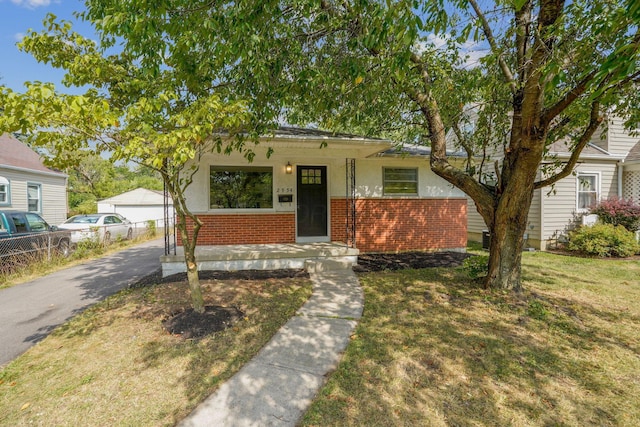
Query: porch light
[(288, 168)]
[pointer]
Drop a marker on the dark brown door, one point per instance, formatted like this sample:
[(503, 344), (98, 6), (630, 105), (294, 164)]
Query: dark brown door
[(312, 201)]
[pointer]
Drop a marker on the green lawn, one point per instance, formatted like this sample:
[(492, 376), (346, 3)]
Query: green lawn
[(432, 350)]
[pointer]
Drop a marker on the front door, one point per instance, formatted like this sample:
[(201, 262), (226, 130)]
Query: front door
[(312, 202)]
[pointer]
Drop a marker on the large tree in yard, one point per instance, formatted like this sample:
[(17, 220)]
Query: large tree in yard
[(507, 78), (503, 80), (151, 117)]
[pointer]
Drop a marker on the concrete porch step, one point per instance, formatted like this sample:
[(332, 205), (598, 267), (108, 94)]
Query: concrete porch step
[(263, 257), (318, 266)]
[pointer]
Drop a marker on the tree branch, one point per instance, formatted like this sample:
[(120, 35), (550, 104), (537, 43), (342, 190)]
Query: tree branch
[(486, 28), (550, 113), (594, 123)]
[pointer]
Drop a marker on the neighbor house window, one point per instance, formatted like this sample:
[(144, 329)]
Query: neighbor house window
[(34, 197), (240, 187), (400, 181), (4, 191), (587, 190)]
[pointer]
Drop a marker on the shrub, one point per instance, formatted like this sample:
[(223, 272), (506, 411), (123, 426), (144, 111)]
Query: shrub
[(151, 228), (618, 212), (604, 240), (476, 266)]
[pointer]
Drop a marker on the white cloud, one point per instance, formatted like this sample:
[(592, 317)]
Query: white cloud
[(31, 4), (18, 37), (470, 51)]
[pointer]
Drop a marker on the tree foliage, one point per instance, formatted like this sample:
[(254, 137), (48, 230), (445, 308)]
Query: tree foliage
[(150, 117), (502, 81)]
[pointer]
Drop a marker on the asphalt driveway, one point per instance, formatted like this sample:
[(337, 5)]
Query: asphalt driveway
[(31, 310)]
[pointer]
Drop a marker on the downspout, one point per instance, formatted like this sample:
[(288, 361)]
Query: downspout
[(620, 170)]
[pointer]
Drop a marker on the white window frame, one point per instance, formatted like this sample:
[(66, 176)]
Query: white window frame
[(384, 182), (38, 186), (5, 189), (598, 180)]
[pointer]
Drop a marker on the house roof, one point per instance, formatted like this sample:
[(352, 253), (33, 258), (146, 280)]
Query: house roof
[(137, 197), (634, 154), (296, 132), (417, 151), (590, 151), (16, 154)]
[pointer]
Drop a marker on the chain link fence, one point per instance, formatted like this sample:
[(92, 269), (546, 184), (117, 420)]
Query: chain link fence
[(20, 251)]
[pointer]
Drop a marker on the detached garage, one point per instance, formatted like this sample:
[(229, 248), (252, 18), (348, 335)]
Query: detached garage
[(139, 205)]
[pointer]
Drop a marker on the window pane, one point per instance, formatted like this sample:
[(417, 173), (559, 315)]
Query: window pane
[(33, 198), (241, 187), (400, 181), (587, 183), (587, 191), (3, 193)]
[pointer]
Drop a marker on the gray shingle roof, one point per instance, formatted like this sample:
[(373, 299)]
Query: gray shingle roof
[(634, 154)]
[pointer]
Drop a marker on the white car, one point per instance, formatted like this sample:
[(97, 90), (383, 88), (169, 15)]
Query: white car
[(104, 226)]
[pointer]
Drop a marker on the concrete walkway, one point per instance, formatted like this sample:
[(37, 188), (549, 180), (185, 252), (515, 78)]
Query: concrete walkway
[(277, 386)]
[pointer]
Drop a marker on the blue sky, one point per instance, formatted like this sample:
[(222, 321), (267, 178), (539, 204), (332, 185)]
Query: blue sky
[(18, 16)]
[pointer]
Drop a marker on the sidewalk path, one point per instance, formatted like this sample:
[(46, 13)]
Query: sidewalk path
[(276, 387), (31, 310)]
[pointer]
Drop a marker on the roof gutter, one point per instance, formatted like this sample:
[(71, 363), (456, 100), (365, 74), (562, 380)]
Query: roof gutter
[(19, 169)]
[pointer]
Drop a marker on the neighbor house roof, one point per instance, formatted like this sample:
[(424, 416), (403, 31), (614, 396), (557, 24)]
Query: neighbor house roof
[(137, 197), (634, 154), (16, 154)]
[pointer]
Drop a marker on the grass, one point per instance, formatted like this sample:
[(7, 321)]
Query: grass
[(434, 350), (115, 365)]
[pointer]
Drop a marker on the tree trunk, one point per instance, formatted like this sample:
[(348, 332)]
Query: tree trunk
[(189, 244), (197, 301), (510, 219), (505, 256)]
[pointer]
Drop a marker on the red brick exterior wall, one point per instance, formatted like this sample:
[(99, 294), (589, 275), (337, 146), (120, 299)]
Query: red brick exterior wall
[(382, 225), (391, 225), (247, 228)]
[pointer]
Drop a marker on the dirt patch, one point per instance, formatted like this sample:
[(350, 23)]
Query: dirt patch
[(405, 260), (190, 324)]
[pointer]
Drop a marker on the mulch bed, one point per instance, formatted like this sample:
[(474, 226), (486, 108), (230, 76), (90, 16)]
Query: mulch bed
[(408, 260), (191, 325)]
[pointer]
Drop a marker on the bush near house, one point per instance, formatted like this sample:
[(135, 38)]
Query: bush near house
[(617, 211), (604, 240)]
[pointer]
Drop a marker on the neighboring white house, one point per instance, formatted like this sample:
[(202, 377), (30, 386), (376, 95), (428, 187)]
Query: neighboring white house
[(27, 185), (608, 167), (139, 205)]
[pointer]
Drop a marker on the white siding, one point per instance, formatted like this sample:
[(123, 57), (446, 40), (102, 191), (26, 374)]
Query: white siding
[(560, 201), (620, 142), (53, 193), (368, 175), (475, 223)]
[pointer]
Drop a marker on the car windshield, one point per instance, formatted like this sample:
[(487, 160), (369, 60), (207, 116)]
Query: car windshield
[(83, 219)]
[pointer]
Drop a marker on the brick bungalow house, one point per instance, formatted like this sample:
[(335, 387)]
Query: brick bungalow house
[(319, 187)]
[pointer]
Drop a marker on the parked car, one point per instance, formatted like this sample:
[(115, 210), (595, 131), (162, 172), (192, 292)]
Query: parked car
[(24, 233), (103, 226)]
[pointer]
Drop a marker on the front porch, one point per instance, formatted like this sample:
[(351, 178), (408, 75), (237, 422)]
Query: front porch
[(258, 257)]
